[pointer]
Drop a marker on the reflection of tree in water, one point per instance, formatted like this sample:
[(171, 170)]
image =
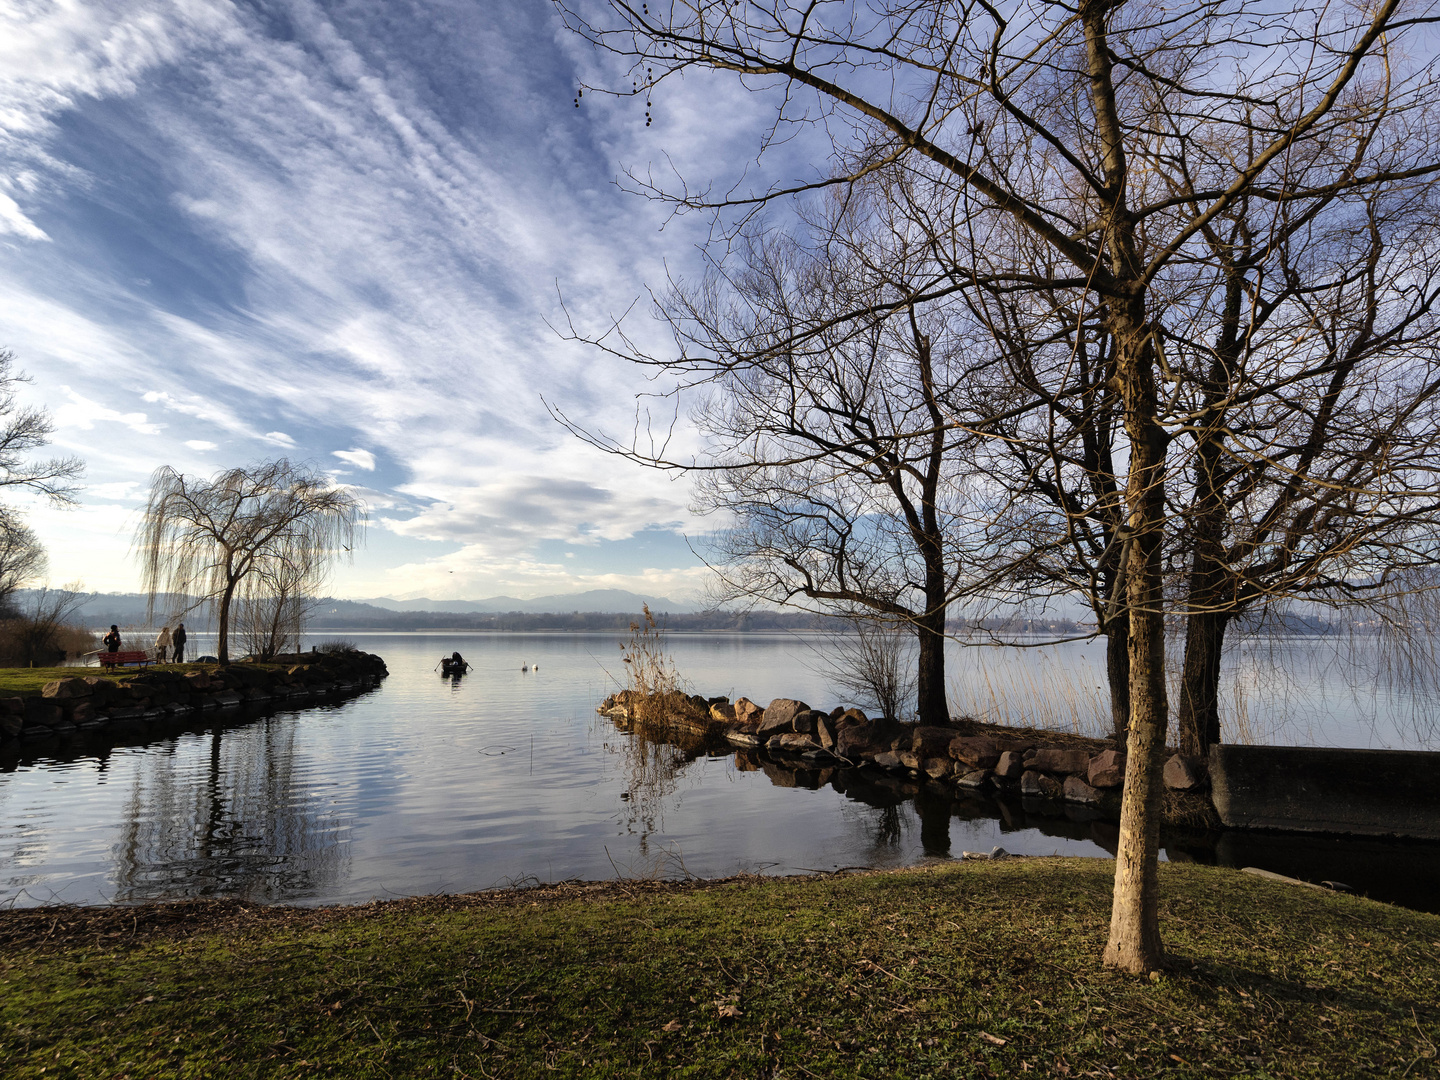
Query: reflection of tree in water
[(884, 815), (238, 822), (652, 775)]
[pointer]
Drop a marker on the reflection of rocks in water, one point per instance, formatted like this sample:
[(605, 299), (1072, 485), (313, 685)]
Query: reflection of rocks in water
[(786, 775), (242, 824)]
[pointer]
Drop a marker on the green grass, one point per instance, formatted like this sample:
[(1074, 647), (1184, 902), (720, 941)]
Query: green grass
[(16, 682), (987, 969)]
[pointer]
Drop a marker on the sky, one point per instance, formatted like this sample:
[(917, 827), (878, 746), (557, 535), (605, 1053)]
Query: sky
[(341, 232)]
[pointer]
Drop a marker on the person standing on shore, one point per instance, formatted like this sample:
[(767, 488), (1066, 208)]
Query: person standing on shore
[(111, 641), (178, 641), (162, 644)]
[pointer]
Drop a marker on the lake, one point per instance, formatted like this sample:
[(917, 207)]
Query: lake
[(509, 776)]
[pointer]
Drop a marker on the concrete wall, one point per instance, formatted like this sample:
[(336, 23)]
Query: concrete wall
[(1310, 789)]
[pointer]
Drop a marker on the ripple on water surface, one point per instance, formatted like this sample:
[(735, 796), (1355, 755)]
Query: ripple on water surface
[(428, 784)]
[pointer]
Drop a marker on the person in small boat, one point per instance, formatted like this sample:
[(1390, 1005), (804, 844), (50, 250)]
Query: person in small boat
[(454, 664)]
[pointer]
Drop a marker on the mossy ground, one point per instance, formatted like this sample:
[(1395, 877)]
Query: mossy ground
[(988, 969), (18, 682)]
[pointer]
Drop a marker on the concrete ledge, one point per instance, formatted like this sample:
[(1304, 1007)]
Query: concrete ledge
[(1311, 789)]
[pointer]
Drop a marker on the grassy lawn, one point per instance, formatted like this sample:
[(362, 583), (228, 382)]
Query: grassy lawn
[(16, 682), (974, 969)]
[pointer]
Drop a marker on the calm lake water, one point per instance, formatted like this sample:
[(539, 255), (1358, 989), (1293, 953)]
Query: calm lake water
[(509, 776)]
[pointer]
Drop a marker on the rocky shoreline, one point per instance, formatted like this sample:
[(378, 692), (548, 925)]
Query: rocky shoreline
[(104, 702), (965, 757)]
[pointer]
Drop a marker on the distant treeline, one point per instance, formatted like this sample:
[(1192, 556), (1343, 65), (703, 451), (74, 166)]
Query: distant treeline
[(574, 620)]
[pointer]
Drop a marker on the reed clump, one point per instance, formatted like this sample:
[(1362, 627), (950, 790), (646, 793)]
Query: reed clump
[(655, 694)]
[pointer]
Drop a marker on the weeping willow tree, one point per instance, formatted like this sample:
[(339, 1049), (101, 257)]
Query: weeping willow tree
[(221, 540), (275, 604)]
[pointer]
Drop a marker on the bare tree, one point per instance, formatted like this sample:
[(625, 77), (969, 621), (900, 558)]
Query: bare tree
[(275, 604), (828, 450), (22, 557), (217, 539), (39, 635), (1104, 133), (873, 662), (23, 430)]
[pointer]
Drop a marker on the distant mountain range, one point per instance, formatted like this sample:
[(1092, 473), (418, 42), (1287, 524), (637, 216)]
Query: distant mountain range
[(129, 609), (607, 601)]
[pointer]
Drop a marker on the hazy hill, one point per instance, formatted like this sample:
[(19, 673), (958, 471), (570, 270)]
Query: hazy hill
[(611, 601)]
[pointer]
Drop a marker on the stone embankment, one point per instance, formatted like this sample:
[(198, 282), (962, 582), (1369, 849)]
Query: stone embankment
[(109, 701), (966, 756)]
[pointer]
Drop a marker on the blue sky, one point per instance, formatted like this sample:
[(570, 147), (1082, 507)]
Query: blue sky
[(337, 231)]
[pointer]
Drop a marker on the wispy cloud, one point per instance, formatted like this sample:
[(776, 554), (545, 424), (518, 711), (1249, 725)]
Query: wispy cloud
[(361, 459), (290, 230)]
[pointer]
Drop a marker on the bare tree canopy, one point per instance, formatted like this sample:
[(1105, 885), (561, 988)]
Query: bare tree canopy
[(1097, 149), (236, 533), (23, 430), (22, 557)]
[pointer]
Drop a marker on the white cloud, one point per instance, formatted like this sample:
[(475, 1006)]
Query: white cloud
[(122, 489), (13, 220), (83, 412), (362, 459), (373, 266)]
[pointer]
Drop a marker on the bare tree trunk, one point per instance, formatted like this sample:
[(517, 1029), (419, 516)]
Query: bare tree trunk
[(1199, 712), (930, 699), (1134, 943), (1117, 672), (222, 644)]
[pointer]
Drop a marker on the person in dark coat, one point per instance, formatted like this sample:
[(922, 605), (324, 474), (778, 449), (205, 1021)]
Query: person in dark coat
[(111, 641), (177, 643)]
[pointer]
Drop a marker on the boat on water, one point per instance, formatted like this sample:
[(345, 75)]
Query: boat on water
[(454, 664)]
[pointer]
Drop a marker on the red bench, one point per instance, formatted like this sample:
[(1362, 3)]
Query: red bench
[(120, 659)]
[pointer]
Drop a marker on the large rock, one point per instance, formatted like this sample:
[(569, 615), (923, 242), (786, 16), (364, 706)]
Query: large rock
[(791, 743), (40, 711), (858, 741), (888, 759), (1183, 774), (825, 732), (747, 712), (909, 759), (976, 751), (11, 725), (974, 779), (1106, 769), (931, 741), (780, 716), (1061, 762), (1078, 791), (938, 768), (1010, 765), (83, 714), (65, 689), (12, 706), (724, 713), (1038, 785), (805, 721)]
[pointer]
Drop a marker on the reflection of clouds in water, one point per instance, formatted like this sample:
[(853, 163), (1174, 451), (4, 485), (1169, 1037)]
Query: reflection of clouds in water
[(1345, 690), (232, 816)]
